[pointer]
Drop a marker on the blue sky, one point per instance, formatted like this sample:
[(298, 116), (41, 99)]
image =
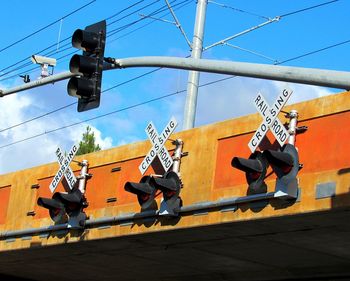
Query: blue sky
[(293, 35)]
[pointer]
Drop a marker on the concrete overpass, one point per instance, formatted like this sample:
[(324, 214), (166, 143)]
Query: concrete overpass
[(216, 236)]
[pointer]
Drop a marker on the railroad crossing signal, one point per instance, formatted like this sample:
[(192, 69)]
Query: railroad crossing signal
[(169, 184), (144, 190), (270, 119), (158, 148), (66, 207), (65, 170), (285, 164), (255, 169)]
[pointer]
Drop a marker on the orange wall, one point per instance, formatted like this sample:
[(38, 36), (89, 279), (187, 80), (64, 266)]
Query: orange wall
[(325, 146), (4, 200), (206, 174)]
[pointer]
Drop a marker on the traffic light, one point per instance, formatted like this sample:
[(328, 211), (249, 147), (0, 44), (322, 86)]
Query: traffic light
[(66, 207), (169, 184), (255, 169), (88, 87), (144, 190), (285, 164)]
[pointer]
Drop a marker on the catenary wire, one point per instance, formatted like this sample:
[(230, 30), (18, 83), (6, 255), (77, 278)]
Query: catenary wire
[(66, 39), (54, 52), (34, 69), (50, 53), (110, 113), (308, 8), (128, 107), (238, 10), (45, 27), (309, 53)]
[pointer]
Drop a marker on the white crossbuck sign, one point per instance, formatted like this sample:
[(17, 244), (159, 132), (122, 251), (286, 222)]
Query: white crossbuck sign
[(65, 170), (158, 148), (270, 119)]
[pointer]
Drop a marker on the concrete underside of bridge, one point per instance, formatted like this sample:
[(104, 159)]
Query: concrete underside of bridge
[(314, 246)]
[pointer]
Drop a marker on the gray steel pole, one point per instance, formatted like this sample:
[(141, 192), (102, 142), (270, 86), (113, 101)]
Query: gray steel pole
[(311, 76), (193, 76), (38, 83)]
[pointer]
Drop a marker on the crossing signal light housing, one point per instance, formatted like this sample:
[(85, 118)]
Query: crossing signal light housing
[(144, 190), (285, 164), (169, 184), (87, 88), (66, 207), (255, 169)]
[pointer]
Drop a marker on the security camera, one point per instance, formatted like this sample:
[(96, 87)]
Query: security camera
[(43, 60)]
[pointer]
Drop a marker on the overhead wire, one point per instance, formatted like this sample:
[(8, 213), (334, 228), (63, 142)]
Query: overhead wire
[(110, 113), (309, 8), (68, 38), (162, 97), (33, 69), (45, 27), (225, 6), (120, 110), (115, 86), (238, 10)]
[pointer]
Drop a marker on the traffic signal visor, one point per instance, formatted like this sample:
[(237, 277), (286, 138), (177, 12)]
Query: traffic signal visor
[(56, 209), (285, 164), (255, 168), (144, 190), (170, 185)]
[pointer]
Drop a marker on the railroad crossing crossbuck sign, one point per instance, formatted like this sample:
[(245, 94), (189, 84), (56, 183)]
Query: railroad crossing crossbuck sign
[(65, 170), (158, 148), (270, 119)]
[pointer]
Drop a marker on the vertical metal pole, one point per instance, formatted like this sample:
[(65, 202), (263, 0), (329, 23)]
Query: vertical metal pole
[(177, 155), (83, 174), (193, 76), (293, 116)]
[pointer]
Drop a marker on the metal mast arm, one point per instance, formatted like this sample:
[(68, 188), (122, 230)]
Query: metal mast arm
[(311, 76)]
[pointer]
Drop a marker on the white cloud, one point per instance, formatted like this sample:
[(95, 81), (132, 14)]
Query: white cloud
[(39, 150), (234, 97)]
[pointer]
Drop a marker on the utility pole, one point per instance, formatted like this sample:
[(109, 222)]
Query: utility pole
[(193, 76)]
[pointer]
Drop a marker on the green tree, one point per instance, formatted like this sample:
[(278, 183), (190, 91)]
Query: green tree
[(87, 144)]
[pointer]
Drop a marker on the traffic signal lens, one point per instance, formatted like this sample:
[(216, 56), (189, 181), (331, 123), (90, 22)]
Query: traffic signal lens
[(282, 160), (255, 175), (80, 87), (82, 64), (255, 169), (144, 190), (85, 40), (144, 197), (56, 211)]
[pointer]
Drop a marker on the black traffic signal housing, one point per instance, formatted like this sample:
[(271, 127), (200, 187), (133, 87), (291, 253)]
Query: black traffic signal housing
[(255, 169), (285, 164), (144, 190), (169, 184), (87, 88), (66, 207)]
